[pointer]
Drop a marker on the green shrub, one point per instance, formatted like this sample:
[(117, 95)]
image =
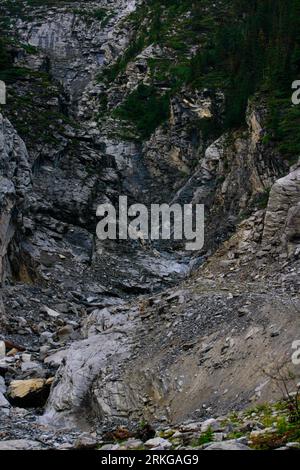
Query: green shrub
[(206, 437), (145, 108)]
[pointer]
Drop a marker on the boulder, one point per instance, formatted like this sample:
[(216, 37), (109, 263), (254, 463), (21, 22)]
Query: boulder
[(85, 442), (158, 442), (32, 368), (227, 445), (212, 424), (29, 393), (132, 444), (282, 220), (2, 385), (2, 349), (56, 359), (20, 444), (3, 402), (50, 312)]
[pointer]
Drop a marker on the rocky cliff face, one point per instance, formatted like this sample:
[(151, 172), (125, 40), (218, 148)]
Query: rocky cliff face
[(77, 39), (282, 217), (135, 331), (135, 385), (15, 186)]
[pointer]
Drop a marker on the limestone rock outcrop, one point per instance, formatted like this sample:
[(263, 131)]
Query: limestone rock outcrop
[(76, 40), (282, 223), (15, 183)]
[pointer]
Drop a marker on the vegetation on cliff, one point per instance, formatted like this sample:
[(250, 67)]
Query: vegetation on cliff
[(240, 47)]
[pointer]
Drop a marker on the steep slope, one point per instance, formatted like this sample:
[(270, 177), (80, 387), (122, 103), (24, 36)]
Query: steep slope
[(153, 100)]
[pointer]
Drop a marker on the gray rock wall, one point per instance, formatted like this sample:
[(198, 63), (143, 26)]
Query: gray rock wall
[(15, 183)]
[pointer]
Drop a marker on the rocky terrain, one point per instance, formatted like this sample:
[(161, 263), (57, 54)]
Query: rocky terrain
[(139, 344)]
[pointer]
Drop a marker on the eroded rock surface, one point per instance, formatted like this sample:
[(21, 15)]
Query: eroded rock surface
[(136, 330), (282, 216), (15, 183), (210, 341)]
